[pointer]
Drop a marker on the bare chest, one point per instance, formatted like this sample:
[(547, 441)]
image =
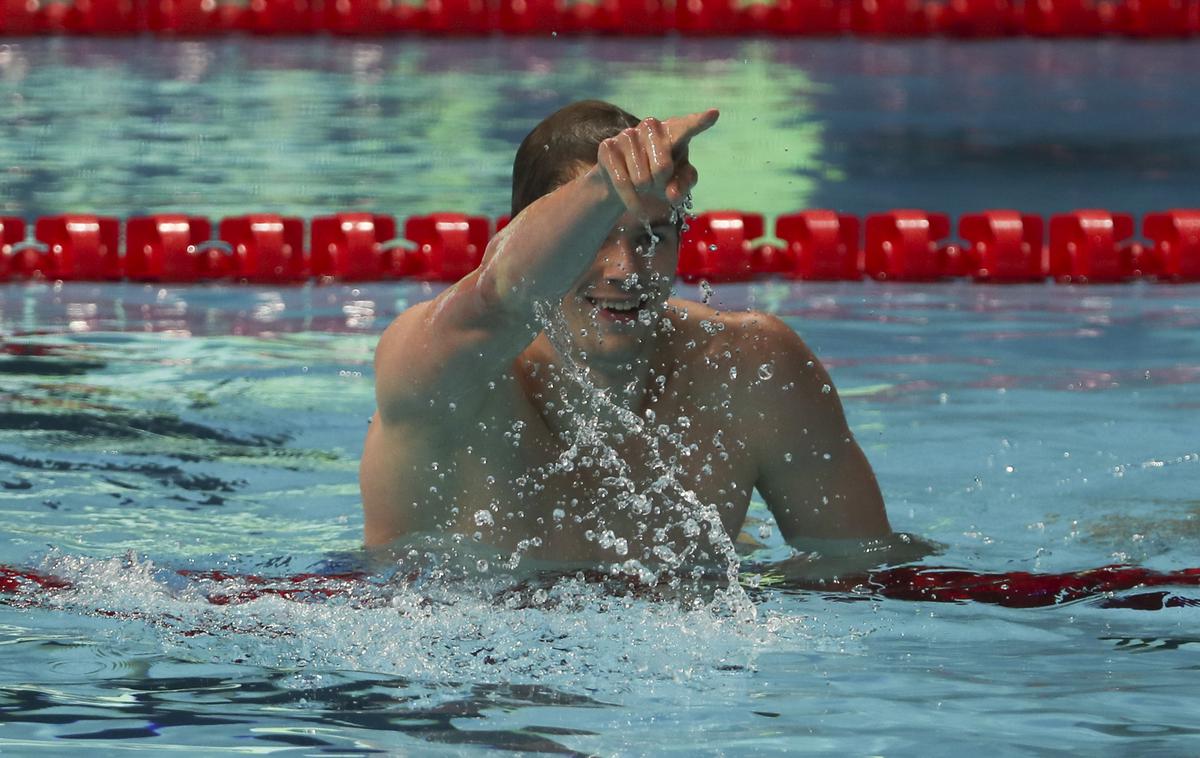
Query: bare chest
[(528, 474)]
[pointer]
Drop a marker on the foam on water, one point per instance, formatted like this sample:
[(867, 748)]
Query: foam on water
[(569, 634)]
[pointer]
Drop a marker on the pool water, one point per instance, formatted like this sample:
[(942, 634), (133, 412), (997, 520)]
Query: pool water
[(146, 430)]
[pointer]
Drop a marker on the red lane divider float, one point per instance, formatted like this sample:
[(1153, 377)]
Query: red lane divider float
[(906, 245), (887, 18), (1016, 589)]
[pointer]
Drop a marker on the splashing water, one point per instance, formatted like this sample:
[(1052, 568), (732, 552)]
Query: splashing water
[(597, 418)]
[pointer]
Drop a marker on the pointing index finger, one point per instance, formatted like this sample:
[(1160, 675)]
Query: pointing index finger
[(681, 129)]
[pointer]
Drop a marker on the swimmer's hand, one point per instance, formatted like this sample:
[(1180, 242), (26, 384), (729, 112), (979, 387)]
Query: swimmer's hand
[(816, 560), (651, 159)]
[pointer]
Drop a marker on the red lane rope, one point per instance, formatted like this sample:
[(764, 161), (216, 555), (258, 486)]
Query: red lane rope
[(887, 18), (1016, 589), (1000, 246)]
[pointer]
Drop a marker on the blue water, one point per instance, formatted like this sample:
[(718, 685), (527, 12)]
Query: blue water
[(146, 429), (1040, 428)]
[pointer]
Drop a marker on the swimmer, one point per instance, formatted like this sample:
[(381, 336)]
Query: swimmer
[(476, 405)]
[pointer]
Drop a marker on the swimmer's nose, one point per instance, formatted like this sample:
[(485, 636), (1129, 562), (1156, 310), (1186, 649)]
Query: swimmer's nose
[(620, 260)]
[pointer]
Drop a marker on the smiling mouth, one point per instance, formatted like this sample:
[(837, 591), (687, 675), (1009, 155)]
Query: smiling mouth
[(621, 311)]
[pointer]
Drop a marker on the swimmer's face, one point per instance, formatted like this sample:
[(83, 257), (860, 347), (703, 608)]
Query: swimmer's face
[(618, 303)]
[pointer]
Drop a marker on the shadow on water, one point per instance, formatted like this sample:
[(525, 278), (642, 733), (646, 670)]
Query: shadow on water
[(129, 425), (373, 705), (169, 475)]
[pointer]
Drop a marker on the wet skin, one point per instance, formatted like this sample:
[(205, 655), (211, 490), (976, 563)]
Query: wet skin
[(476, 407)]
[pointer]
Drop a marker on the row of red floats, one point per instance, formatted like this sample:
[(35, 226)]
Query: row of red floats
[(719, 246), (970, 18), (911, 245)]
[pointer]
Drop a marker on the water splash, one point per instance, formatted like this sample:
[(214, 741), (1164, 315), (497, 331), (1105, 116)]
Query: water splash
[(597, 421), (571, 633)]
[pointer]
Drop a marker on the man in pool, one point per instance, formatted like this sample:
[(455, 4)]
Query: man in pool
[(485, 428)]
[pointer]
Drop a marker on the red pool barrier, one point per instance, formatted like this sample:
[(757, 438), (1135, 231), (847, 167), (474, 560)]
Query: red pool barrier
[(707, 18), (1085, 246), (1014, 589), (105, 17), (448, 246), (1175, 244), (363, 18), (457, 17), (719, 246), (1003, 246), (349, 246), (977, 18), (281, 17), (169, 248), (266, 248), (891, 18), (79, 247), (902, 246), (1158, 18), (191, 17), (821, 244), (12, 231), (642, 18), (1069, 18), (796, 18)]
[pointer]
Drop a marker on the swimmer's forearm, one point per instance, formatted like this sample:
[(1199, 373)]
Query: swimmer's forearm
[(550, 244)]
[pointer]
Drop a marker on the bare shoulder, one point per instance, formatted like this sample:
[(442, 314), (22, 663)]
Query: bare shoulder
[(739, 338), (399, 341)]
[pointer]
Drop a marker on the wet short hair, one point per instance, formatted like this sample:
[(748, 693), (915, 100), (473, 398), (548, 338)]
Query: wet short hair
[(565, 142)]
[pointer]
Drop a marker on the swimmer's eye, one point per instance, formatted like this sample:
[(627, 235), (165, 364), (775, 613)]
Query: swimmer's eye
[(645, 245)]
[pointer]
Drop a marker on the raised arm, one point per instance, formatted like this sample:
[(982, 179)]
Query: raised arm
[(440, 350)]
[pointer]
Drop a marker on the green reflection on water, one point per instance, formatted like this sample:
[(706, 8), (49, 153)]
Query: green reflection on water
[(751, 159), (222, 127)]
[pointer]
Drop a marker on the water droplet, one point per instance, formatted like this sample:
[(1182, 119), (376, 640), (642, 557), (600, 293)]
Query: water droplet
[(483, 517), (826, 389), (766, 371)]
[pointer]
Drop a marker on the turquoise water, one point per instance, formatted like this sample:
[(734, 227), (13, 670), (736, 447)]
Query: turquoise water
[(144, 430), (1037, 428)]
